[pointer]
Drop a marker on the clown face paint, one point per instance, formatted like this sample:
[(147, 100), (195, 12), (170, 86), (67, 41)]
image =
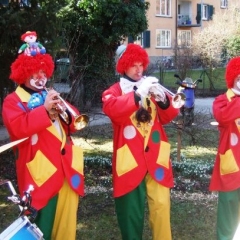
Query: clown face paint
[(236, 85), (38, 80)]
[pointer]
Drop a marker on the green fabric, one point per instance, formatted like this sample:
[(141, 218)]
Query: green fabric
[(227, 214), (130, 213), (45, 218)]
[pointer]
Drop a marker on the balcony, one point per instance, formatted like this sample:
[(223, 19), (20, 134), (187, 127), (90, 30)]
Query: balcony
[(186, 21)]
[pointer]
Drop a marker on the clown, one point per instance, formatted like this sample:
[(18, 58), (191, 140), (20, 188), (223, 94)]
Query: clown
[(48, 160), (31, 47), (226, 173), (138, 108)]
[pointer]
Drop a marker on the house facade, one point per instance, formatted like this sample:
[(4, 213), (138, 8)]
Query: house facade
[(171, 21)]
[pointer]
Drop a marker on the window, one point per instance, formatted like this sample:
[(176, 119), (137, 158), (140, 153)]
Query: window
[(206, 11), (184, 38), (224, 3), (163, 8), (163, 38)]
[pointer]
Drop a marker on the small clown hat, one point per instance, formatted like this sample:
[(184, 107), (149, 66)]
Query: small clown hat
[(26, 65)]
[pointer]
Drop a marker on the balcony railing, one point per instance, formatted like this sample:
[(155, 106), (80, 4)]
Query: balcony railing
[(186, 21)]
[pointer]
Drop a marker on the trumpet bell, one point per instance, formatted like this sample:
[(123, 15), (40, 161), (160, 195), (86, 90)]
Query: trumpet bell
[(178, 100), (81, 121)]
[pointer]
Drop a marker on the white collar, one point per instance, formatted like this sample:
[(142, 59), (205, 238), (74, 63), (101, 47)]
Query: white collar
[(237, 92), (127, 86)]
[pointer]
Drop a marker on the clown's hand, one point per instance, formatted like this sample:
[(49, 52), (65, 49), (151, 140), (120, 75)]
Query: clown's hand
[(148, 83), (158, 93)]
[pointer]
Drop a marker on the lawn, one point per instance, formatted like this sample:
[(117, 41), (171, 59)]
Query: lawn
[(193, 207)]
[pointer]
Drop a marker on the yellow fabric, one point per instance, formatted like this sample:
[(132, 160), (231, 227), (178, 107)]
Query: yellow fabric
[(145, 128), (123, 166), (158, 198), (230, 94), (164, 154), (53, 130), (77, 161), (228, 163), (65, 222), (23, 95), (40, 168)]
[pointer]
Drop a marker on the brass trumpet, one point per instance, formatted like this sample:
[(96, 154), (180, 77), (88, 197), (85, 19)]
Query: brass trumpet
[(178, 99), (80, 121)]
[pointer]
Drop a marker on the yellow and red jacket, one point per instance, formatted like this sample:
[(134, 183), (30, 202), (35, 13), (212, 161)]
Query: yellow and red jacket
[(45, 159), (226, 171), (137, 148)]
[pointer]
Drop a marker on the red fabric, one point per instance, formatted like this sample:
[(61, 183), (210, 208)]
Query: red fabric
[(226, 111), (119, 108), (22, 123)]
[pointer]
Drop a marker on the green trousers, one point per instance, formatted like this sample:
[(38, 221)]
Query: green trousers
[(228, 214), (130, 209)]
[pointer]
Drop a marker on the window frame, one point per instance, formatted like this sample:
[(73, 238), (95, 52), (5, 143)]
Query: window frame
[(223, 3), (167, 11), (187, 35), (163, 36)]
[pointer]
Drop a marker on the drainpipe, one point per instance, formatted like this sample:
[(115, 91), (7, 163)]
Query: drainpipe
[(201, 13), (176, 28)]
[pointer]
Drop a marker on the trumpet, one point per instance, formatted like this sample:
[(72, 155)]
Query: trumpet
[(178, 99), (80, 121)]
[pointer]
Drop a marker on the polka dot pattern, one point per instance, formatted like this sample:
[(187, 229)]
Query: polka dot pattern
[(75, 181), (129, 132), (233, 139), (159, 173), (34, 139), (156, 137)]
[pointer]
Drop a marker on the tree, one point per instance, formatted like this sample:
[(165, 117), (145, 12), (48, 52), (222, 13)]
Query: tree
[(17, 18), (93, 29), (216, 38)]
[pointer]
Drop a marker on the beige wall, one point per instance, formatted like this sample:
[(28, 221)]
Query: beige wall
[(170, 23)]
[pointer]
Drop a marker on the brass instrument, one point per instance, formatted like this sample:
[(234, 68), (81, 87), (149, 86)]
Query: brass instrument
[(80, 121), (178, 99)]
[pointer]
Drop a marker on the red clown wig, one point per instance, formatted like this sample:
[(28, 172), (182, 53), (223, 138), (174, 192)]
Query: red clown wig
[(133, 53), (25, 66), (232, 71)]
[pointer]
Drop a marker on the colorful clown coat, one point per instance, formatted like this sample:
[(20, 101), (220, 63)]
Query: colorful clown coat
[(137, 149), (45, 159), (226, 171)]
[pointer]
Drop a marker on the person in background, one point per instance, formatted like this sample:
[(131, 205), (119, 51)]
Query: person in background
[(47, 159), (226, 172), (138, 108)]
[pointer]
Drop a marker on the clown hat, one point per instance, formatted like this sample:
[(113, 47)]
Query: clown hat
[(128, 55), (28, 33), (232, 71), (25, 66)]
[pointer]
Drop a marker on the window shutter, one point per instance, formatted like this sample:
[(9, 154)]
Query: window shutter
[(210, 12), (199, 8), (146, 39)]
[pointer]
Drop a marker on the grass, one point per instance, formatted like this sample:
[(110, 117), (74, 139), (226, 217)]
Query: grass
[(218, 78), (193, 208), (193, 211)]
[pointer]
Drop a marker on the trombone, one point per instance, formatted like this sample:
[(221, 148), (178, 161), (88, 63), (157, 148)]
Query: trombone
[(80, 121), (178, 99)]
